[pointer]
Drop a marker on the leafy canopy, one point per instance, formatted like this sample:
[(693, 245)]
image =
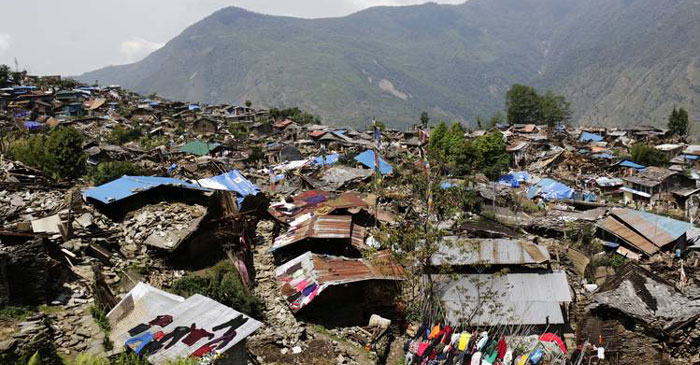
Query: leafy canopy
[(525, 106), (646, 155), (58, 154), (486, 154), (109, 171), (678, 123), (295, 114)]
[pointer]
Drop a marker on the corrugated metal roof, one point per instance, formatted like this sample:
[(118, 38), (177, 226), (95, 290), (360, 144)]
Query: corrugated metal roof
[(303, 278), (199, 148), (658, 229), (456, 251), (619, 230), (495, 299), (127, 186), (143, 303), (324, 226), (628, 163)]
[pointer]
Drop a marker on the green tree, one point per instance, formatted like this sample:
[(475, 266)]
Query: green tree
[(108, 171), (523, 105), (554, 109), (295, 114), (496, 119), (678, 123), (491, 148), (248, 103), (4, 75), (121, 134), (646, 155), (378, 123), (424, 120), (58, 154), (437, 140)]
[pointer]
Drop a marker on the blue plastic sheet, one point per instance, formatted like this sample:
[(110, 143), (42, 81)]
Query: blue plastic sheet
[(367, 158), (550, 189)]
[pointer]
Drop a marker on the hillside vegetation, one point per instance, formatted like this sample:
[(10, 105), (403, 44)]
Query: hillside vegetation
[(619, 62)]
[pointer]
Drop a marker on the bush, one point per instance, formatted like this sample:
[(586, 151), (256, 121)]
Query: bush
[(222, 284), (256, 155), (348, 159), (18, 313), (647, 155), (238, 130), (58, 154), (121, 134), (109, 171)]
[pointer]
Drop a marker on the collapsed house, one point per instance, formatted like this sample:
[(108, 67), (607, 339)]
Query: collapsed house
[(636, 313), (339, 290), (633, 233), (490, 300), (481, 293)]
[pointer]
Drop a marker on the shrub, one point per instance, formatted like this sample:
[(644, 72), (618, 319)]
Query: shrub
[(121, 134), (348, 159), (238, 130), (58, 154), (108, 171), (256, 155), (222, 284), (18, 313)]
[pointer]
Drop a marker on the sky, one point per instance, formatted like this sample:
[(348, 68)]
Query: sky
[(70, 37)]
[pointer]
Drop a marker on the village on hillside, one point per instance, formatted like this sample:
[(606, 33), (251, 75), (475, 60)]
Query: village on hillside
[(143, 230)]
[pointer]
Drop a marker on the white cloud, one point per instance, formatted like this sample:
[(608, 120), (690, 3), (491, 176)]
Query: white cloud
[(135, 49), (5, 40)]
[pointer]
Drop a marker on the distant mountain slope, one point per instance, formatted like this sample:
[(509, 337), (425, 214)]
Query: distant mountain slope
[(619, 61)]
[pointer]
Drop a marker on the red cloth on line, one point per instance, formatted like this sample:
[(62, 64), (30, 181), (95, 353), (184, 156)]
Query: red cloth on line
[(502, 348)]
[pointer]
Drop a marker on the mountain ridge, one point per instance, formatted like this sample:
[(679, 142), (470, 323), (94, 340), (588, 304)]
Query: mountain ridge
[(454, 61)]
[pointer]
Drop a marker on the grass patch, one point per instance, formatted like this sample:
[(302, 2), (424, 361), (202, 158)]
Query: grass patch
[(222, 284), (100, 318), (47, 309), (15, 313)]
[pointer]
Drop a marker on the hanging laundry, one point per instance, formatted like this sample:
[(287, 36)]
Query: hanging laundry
[(434, 331), (476, 358), (502, 348), (463, 341)]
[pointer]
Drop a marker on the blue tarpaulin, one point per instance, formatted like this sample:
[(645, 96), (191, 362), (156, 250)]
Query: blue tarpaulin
[(691, 157), (231, 181), (367, 158), (127, 186), (447, 185), (514, 179), (590, 137), (32, 125), (329, 160), (630, 164), (550, 190)]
